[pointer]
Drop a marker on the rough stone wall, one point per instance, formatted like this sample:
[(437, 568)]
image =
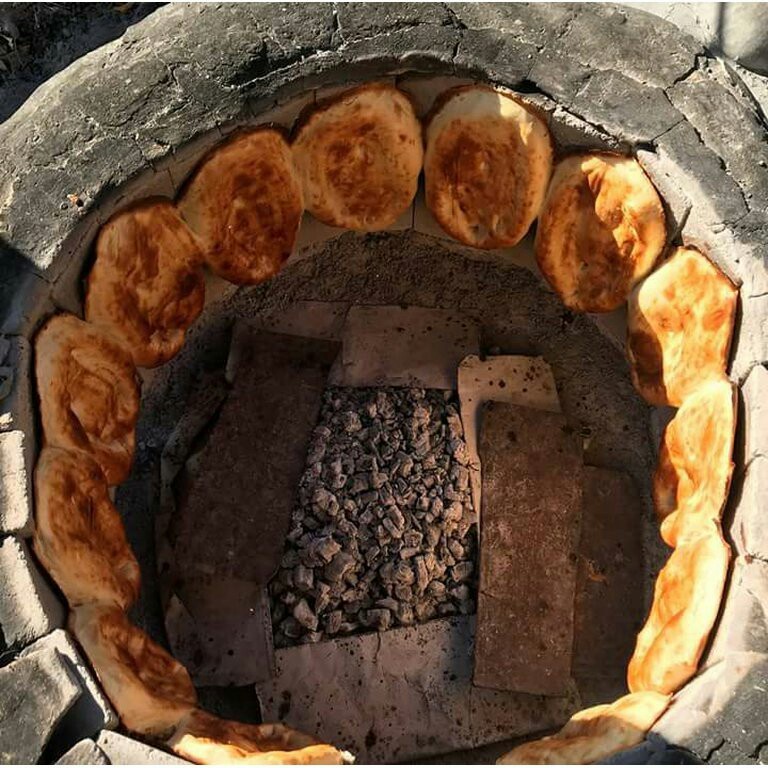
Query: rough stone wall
[(115, 124)]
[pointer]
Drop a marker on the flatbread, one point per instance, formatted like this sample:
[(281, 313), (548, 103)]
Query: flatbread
[(594, 734), (693, 475), (359, 157), (686, 602), (79, 535), (208, 740), (89, 393), (146, 286), (601, 230), (244, 202), (149, 689), (680, 325), (487, 165)]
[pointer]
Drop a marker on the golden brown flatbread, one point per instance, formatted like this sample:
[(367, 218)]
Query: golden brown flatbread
[(146, 286), (686, 602), (693, 475), (595, 733), (359, 156), (245, 204), (680, 326), (208, 740), (89, 393), (149, 689), (487, 165), (79, 535), (601, 230)]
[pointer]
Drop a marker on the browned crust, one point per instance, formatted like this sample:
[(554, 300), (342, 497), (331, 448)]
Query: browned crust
[(89, 393), (146, 286), (244, 203), (79, 535)]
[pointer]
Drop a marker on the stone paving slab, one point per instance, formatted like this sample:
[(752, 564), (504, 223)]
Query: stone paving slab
[(400, 695), (15, 484), (530, 521), (16, 411), (35, 694), (28, 607), (123, 750), (92, 711)]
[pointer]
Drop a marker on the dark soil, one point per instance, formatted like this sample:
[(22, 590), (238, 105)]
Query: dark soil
[(37, 40)]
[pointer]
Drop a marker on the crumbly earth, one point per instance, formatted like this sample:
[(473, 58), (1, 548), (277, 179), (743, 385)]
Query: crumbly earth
[(383, 533)]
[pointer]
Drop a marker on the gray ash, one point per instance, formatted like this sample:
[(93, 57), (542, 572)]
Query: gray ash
[(384, 532)]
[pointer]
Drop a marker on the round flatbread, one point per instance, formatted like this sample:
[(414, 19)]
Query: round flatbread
[(149, 689), (686, 602), (89, 393), (680, 325), (487, 165), (146, 286), (601, 230), (244, 203), (594, 734), (692, 478), (359, 157), (79, 535), (208, 740)]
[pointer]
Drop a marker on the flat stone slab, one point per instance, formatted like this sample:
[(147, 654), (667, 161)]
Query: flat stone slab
[(609, 601), (514, 379), (405, 347), (35, 693), (234, 502), (123, 750), (530, 518), (85, 752), (400, 695)]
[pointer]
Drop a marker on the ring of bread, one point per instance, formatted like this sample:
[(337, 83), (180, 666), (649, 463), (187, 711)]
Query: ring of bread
[(487, 164), (695, 465), (680, 324), (89, 393), (686, 602), (594, 734), (244, 202), (601, 230), (208, 740), (359, 157), (79, 535), (150, 690), (146, 286)]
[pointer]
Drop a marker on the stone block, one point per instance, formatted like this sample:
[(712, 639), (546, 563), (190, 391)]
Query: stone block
[(15, 485), (753, 417), (35, 694), (85, 752), (25, 298), (123, 750), (750, 338), (28, 607), (492, 55), (746, 511), (92, 711), (729, 128), (16, 409), (356, 21)]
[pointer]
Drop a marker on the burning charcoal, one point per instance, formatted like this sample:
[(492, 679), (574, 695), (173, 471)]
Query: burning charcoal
[(455, 548), (462, 571), (333, 622), (404, 574), (305, 615), (303, 578), (291, 628), (378, 618), (326, 547), (341, 563)]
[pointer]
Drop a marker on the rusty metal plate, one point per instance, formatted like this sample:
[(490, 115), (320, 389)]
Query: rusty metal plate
[(237, 493), (609, 597), (530, 519)]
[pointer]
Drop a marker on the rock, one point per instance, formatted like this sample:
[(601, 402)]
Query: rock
[(333, 622), (35, 694), (453, 513), (462, 571), (339, 566), (15, 486), (378, 619), (325, 502), (303, 578), (326, 548), (85, 752), (122, 750), (28, 607)]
